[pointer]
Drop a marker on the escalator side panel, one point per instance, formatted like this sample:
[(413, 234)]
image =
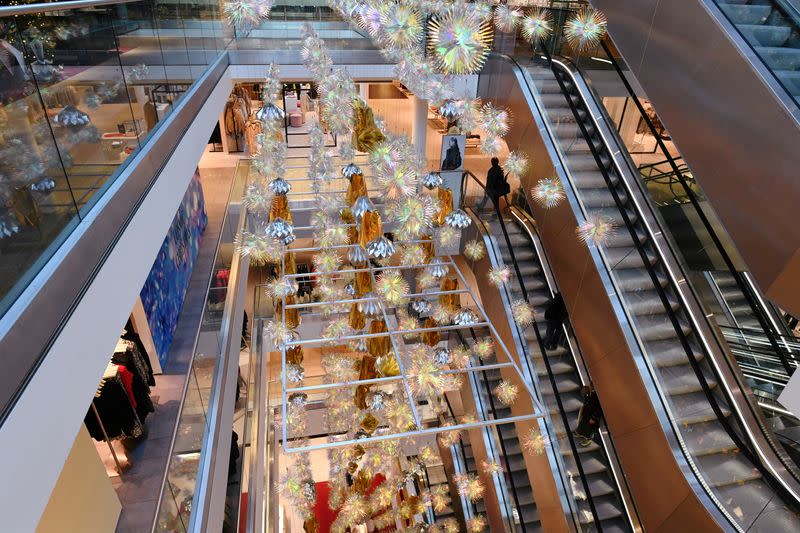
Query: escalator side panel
[(731, 127), (658, 482), (540, 472)]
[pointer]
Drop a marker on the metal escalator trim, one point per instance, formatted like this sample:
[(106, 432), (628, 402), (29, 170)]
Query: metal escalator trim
[(708, 335), (748, 288), (777, 324), (667, 420), (765, 74), (528, 224), (567, 499)]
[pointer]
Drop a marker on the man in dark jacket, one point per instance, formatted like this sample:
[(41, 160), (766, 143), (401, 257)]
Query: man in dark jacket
[(555, 315), (496, 184)]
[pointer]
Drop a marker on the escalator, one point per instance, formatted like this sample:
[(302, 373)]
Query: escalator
[(770, 28), (601, 485), (720, 431)]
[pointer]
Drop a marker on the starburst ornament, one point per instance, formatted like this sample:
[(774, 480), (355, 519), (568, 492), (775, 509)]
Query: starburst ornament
[(495, 120), (328, 261), (522, 313), (470, 486), (459, 41), (401, 24), (246, 14), (499, 276), (414, 215), (548, 192), (464, 317), (585, 29), (536, 25), (484, 347), (507, 18), (506, 392), (491, 468), (380, 248), (535, 442), (431, 180), (596, 229), (474, 250), (476, 524), (516, 164), (490, 145), (457, 219), (392, 287)]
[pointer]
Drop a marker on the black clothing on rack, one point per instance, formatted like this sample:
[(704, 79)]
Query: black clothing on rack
[(116, 412)]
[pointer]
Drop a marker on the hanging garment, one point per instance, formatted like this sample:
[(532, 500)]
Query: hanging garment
[(115, 410), (150, 114), (128, 353), (252, 130), (130, 335)]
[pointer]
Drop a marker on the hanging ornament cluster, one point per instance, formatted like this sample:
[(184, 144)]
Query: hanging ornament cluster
[(245, 15), (585, 29)]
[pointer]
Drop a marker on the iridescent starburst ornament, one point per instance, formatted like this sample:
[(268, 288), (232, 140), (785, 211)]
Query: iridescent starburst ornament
[(507, 18), (535, 442), (398, 181), (484, 347), (282, 287), (402, 27), (460, 357), (392, 287), (449, 525), (499, 276), (490, 145), (440, 497), (295, 373), (327, 261), (506, 392), (245, 14), (516, 164), (470, 486), (414, 215), (585, 29), (495, 120), (447, 236), (548, 192), (596, 229), (491, 468), (536, 25), (442, 315), (336, 329), (522, 313), (425, 376), (413, 255), (476, 524), (474, 250), (260, 249), (459, 41)]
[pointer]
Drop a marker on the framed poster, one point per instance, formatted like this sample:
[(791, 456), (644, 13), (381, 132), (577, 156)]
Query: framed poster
[(453, 147)]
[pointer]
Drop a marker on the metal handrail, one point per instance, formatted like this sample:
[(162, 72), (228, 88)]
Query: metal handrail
[(49, 7), (540, 342)]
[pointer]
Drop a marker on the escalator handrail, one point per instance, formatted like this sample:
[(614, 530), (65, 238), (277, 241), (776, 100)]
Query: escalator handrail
[(500, 438), (540, 342), (690, 194), (746, 448)]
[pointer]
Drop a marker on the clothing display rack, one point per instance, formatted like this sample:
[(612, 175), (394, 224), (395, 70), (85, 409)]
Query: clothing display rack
[(122, 400)]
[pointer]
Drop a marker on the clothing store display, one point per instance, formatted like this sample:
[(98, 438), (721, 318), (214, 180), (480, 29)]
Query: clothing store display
[(122, 401), (150, 114), (115, 410), (252, 129)]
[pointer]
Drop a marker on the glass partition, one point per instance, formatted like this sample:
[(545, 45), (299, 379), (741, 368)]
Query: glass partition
[(80, 91), (191, 436)]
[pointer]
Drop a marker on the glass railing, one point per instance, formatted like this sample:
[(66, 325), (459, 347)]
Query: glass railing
[(191, 440), (81, 90), (771, 28)]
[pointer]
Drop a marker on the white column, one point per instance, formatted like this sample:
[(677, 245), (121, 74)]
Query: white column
[(419, 126), (363, 91)]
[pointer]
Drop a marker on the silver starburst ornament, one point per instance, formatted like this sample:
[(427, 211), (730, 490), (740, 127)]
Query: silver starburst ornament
[(350, 170), (361, 206), (279, 229), (419, 306)]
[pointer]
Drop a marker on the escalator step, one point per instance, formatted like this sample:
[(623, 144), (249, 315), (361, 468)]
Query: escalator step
[(746, 14), (693, 408), (591, 178), (658, 327), (722, 469), (600, 198), (648, 302), (635, 280), (666, 353), (707, 438), (613, 214)]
